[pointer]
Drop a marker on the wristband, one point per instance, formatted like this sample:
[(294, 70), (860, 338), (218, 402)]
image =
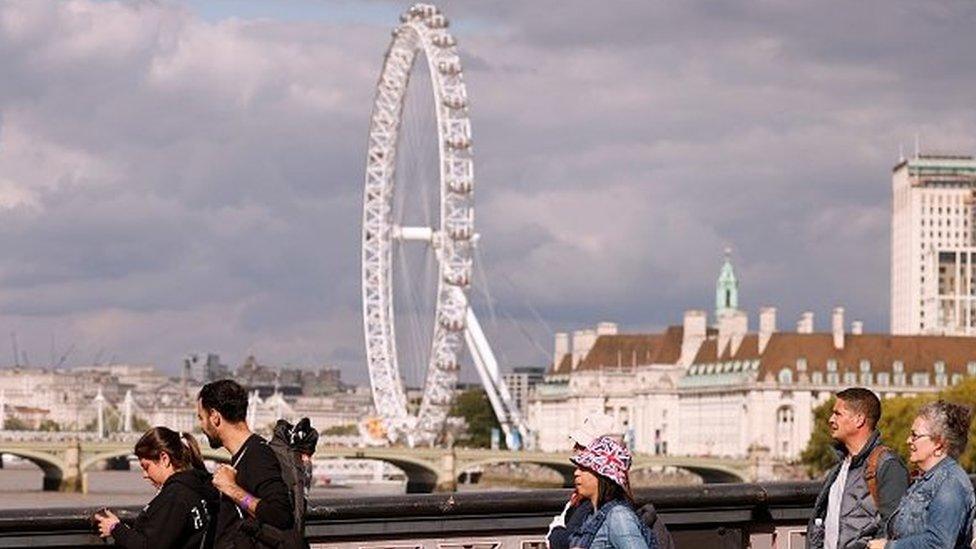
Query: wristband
[(246, 502), (114, 526)]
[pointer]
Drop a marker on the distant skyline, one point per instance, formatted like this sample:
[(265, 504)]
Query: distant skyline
[(181, 177)]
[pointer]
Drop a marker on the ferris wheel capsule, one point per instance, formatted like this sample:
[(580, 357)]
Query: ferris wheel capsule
[(444, 40), (455, 102), (460, 186), (450, 68), (459, 143), (437, 21)]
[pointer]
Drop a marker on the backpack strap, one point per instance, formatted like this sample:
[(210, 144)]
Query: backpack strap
[(871, 471)]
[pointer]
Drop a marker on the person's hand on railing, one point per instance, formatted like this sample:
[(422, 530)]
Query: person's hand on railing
[(105, 521)]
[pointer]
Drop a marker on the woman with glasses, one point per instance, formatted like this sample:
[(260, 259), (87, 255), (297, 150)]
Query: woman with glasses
[(937, 510)]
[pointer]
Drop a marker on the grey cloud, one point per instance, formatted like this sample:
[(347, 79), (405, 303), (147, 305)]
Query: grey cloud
[(203, 180)]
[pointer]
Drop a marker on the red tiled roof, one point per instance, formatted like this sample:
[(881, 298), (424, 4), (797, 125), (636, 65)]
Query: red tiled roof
[(628, 350), (917, 353)]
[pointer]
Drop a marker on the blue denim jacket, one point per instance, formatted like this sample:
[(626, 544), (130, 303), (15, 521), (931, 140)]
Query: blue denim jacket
[(621, 530), (936, 512)]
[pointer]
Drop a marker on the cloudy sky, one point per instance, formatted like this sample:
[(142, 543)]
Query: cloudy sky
[(186, 176)]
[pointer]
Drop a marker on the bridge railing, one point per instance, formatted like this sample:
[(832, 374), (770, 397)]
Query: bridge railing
[(729, 515)]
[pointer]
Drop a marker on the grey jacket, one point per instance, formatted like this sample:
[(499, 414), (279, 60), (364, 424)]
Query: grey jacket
[(860, 519)]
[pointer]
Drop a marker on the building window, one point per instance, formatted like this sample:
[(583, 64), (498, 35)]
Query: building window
[(801, 365), (899, 367), (920, 379), (971, 368), (832, 365), (850, 378), (939, 366), (865, 365), (786, 375), (884, 378), (817, 378), (833, 378), (956, 378)]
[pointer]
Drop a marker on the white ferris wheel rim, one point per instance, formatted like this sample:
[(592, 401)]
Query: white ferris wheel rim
[(423, 29)]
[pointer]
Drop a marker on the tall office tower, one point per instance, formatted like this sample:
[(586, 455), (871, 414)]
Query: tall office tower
[(933, 245)]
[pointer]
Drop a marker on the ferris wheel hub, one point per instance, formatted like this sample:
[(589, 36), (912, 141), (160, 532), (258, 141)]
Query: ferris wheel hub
[(423, 234)]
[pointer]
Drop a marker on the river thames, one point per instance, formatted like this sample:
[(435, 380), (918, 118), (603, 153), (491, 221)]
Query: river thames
[(20, 488)]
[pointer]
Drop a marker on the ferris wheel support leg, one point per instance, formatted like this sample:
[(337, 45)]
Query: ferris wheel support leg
[(501, 400)]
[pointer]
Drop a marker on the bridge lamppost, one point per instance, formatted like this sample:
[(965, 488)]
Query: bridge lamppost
[(100, 406), (127, 412)]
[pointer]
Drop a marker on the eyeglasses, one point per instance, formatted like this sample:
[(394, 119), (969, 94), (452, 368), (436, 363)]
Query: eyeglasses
[(913, 436)]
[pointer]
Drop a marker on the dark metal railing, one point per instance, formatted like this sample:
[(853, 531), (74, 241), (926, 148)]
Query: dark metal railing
[(715, 515)]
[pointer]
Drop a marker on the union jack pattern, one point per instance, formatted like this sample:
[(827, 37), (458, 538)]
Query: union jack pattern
[(607, 457)]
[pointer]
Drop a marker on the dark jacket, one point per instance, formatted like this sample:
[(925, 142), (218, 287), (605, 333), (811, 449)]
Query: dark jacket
[(860, 519), (259, 474), (179, 516), (575, 517)]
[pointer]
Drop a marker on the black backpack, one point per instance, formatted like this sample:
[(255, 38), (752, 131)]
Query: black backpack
[(297, 481)]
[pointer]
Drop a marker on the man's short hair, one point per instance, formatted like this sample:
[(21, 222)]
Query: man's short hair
[(227, 397), (862, 401)]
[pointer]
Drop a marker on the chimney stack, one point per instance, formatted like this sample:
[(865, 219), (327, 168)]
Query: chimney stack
[(857, 327), (561, 349), (693, 335), (606, 328), (767, 326), (837, 327), (805, 325), (732, 327), (583, 341)]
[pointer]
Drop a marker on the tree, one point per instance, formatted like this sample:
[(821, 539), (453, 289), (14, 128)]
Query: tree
[(965, 393), (474, 407), (49, 425), (819, 454), (897, 415), (16, 424)]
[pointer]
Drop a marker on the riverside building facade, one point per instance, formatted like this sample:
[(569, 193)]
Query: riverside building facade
[(725, 390), (933, 246)]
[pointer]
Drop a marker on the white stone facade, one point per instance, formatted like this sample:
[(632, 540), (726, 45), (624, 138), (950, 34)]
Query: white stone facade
[(740, 390), (933, 246)]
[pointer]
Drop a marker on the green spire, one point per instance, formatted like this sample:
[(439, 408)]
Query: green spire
[(727, 288)]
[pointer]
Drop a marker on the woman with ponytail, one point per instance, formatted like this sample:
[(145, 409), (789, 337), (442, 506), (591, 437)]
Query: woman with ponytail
[(937, 511), (181, 513)]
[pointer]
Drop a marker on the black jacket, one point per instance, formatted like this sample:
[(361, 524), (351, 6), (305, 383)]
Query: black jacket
[(180, 516), (259, 474), (575, 517)]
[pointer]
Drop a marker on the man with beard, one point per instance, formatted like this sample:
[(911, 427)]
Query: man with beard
[(863, 490), (252, 490)]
